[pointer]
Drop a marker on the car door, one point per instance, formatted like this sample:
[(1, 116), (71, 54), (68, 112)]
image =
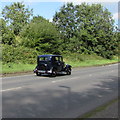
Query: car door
[(60, 63)]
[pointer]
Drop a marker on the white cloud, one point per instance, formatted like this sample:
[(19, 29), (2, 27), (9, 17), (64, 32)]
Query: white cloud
[(116, 16), (51, 19), (78, 1)]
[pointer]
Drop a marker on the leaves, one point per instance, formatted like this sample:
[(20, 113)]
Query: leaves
[(7, 34), (81, 29), (42, 34), (16, 16), (12, 54), (86, 28)]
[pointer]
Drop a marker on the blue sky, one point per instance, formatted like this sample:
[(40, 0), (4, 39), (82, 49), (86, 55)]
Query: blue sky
[(48, 8)]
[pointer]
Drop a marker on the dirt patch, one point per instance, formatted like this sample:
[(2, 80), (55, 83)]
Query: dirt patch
[(15, 74)]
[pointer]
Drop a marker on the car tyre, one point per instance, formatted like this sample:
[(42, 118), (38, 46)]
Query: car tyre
[(68, 71), (54, 73), (38, 74)]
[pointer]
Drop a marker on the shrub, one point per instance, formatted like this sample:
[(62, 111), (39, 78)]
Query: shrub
[(18, 54)]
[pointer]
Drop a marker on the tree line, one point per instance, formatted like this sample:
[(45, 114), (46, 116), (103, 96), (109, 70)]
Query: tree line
[(83, 29)]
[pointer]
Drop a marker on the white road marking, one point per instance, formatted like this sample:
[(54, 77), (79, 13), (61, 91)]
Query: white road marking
[(11, 89)]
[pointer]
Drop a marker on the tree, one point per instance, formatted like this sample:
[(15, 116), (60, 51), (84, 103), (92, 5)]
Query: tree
[(7, 34), (90, 26), (42, 35), (65, 20), (16, 16)]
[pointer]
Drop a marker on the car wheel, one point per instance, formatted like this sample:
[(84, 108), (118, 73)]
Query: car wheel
[(54, 73), (68, 71), (38, 74)]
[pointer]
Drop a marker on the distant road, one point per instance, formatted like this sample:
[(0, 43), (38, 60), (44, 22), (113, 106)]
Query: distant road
[(31, 96)]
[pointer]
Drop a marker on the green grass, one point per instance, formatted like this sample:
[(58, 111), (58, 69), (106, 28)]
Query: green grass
[(90, 61), (74, 61), (97, 110), (13, 67)]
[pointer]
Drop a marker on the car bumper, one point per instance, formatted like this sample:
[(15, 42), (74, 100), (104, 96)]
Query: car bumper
[(43, 71)]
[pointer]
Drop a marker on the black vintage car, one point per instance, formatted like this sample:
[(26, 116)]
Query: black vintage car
[(51, 64)]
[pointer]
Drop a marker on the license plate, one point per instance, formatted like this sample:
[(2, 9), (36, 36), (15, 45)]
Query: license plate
[(41, 71)]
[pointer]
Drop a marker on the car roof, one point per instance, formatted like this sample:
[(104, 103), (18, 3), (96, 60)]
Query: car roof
[(49, 56)]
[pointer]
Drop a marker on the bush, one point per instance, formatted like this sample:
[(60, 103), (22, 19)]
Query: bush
[(42, 35), (18, 54), (81, 57)]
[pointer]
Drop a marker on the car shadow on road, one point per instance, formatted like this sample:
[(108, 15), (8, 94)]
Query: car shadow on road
[(59, 102), (49, 76)]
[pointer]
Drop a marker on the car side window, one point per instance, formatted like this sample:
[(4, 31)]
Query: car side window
[(57, 58), (41, 59), (60, 58)]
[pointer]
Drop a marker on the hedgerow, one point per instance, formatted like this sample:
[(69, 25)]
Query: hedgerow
[(18, 54)]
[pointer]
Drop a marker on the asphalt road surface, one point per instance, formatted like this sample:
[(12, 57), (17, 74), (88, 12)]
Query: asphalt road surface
[(64, 96)]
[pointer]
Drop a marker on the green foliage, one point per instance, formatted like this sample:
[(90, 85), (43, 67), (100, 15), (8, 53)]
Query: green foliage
[(86, 28), (15, 67), (83, 60), (75, 59), (7, 34), (16, 15), (11, 54), (82, 31), (65, 21), (81, 57), (116, 47), (42, 35)]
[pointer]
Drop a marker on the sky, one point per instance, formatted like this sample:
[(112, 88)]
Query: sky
[(47, 8)]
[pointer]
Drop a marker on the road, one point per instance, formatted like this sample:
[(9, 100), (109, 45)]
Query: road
[(64, 96)]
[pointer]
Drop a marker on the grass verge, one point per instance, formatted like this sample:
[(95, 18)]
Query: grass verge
[(88, 60), (88, 63), (97, 110), (73, 60), (16, 68)]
